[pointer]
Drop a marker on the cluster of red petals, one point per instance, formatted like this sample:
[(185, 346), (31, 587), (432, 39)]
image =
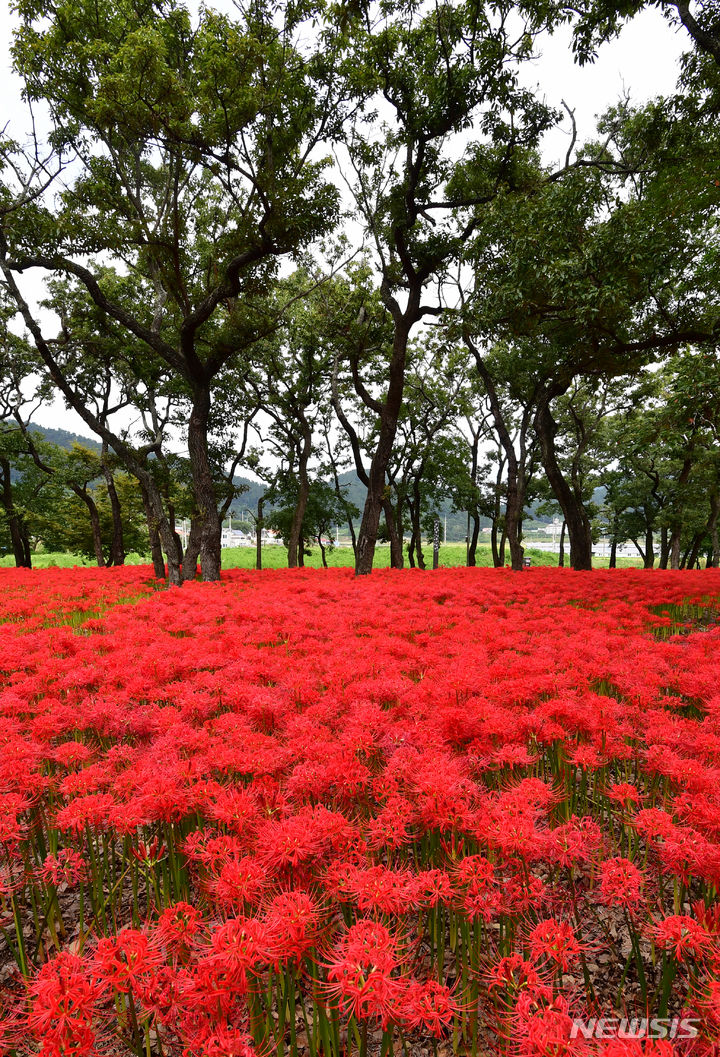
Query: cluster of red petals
[(420, 802)]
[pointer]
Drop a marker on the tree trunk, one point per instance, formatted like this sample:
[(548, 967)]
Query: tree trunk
[(397, 560), (84, 495), (135, 462), (295, 541), (515, 488), (322, 550), (612, 564), (192, 550), (664, 548), (473, 541), (258, 533), (415, 508), (204, 486), (117, 545), (690, 558), (675, 547), (501, 552), (649, 555), (389, 413), (154, 537), (561, 547), (574, 513), (677, 526), (20, 551), (714, 557)]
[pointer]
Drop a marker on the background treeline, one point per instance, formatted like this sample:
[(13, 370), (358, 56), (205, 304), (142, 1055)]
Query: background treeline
[(307, 241)]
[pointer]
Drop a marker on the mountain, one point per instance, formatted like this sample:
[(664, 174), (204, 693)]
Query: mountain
[(64, 439), (356, 490)]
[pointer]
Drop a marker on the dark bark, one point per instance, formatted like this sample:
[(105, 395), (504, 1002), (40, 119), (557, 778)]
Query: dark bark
[(494, 545), (117, 544), (134, 461), (649, 554), (322, 550), (156, 553), (692, 552), (613, 553), (258, 532), (714, 554), (416, 538), (192, 550), (295, 539), (397, 560), (389, 412), (561, 547), (571, 504), (204, 489), (664, 548), (516, 483), (82, 493), (473, 540), (18, 537)]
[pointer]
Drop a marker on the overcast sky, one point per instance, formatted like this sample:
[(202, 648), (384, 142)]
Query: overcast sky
[(642, 62)]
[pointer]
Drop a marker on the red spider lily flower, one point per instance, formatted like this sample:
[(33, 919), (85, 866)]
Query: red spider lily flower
[(624, 793), (178, 925), (240, 881), (621, 883), (573, 842), (544, 1029), (63, 1005), (293, 922), (682, 936), (165, 993), (91, 810), (636, 1048), (554, 942), (67, 867), (222, 1041), (359, 972), (121, 961), (239, 947), (429, 1006), (654, 822), (515, 975)]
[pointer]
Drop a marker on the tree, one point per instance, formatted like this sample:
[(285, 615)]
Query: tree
[(191, 158), (439, 73)]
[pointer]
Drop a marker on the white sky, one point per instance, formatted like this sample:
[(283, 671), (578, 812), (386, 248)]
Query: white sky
[(643, 62)]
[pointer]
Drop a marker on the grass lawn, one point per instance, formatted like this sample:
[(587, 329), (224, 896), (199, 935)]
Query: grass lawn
[(275, 557)]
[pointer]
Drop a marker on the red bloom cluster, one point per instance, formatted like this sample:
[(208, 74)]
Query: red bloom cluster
[(284, 812)]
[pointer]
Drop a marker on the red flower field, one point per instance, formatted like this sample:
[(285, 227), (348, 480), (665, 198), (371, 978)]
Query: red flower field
[(300, 813)]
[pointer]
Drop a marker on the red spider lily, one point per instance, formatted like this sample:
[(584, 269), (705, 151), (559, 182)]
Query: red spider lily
[(178, 925), (515, 975), (293, 923), (682, 936), (359, 973), (123, 960), (470, 753), (238, 947), (430, 1006), (63, 1006), (621, 883), (544, 1029), (554, 942)]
